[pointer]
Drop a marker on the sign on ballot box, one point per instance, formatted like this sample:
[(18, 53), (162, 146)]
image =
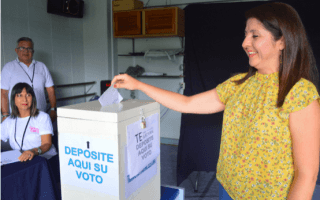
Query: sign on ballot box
[(90, 163), (105, 154), (143, 144), (143, 147)]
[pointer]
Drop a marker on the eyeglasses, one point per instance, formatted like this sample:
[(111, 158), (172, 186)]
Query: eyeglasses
[(23, 48)]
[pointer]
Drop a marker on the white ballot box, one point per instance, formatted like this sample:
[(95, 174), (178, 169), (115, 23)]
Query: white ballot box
[(110, 152)]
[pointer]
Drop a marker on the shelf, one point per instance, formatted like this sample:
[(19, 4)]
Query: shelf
[(142, 54), (148, 36), (160, 76)]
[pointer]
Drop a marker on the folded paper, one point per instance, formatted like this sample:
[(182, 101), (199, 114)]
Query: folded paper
[(110, 96)]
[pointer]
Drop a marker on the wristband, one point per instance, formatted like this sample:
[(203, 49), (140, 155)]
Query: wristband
[(55, 109), (39, 151), (5, 115)]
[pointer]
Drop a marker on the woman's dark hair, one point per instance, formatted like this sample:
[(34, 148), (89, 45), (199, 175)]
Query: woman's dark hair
[(297, 57), (17, 89)]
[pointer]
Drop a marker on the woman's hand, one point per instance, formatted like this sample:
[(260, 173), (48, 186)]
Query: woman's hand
[(125, 81), (26, 155)]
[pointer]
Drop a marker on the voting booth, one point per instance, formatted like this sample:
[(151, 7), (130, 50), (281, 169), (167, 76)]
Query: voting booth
[(110, 152)]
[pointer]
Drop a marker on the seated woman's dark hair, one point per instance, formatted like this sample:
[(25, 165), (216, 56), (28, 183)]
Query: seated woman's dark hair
[(17, 89)]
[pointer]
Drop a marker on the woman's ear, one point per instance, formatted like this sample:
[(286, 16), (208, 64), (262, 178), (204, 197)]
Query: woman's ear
[(282, 43)]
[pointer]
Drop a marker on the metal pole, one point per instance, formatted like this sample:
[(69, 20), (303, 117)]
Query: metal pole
[(196, 184), (132, 45)]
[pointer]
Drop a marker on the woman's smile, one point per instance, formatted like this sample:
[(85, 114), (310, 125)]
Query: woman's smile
[(251, 54), (263, 52)]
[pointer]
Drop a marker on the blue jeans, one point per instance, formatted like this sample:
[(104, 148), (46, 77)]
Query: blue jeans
[(223, 195)]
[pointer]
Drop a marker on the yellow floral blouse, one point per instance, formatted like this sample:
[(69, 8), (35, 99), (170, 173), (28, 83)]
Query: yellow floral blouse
[(255, 160)]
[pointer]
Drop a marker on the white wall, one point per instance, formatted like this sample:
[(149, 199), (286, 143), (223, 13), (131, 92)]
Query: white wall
[(170, 123), (58, 41), (98, 40)]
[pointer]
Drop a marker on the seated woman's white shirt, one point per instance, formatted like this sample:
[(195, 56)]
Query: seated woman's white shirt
[(39, 125)]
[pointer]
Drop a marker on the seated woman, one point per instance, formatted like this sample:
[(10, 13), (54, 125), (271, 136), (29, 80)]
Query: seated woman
[(28, 129)]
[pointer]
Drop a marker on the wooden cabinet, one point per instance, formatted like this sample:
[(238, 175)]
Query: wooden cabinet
[(156, 22), (169, 21), (127, 23)]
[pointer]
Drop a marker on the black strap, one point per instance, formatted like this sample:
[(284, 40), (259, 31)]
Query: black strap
[(15, 129), (34, 68)]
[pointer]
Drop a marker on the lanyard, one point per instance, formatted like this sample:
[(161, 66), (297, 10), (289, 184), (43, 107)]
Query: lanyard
[(15, 128), (34, 67)]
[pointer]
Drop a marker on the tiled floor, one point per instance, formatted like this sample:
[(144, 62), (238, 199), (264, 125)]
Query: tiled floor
[(208, 187)]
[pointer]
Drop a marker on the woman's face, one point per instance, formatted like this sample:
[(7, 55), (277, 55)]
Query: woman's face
[(23, 100), (264, 53)]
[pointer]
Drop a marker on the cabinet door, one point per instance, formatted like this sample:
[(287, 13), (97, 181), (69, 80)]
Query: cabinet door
[(161, 21), (127, 23)]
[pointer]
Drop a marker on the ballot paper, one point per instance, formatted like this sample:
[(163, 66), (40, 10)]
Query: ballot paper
[(11, 156), (112, 108), (110, 96)]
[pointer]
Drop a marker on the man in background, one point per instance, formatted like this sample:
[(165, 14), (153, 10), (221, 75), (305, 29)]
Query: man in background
[(26, 69)]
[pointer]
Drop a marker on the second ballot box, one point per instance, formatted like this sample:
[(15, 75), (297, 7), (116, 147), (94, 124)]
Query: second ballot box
[(111, 152)]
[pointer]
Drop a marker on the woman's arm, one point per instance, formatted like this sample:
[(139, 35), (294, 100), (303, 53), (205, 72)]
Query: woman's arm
[(46, 142), (4, 129), (305, 133), (204, 103), (4, 103)]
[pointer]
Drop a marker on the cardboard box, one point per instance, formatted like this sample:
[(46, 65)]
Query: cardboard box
[(126, 5), (164, 21)]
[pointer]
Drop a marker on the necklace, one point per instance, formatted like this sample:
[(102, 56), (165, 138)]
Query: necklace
[(34, 67), (15, 131)]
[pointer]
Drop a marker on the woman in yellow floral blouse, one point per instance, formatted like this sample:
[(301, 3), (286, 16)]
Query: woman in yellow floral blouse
[(271, 126)]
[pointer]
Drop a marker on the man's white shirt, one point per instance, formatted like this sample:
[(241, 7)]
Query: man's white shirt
[(14, 72)]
